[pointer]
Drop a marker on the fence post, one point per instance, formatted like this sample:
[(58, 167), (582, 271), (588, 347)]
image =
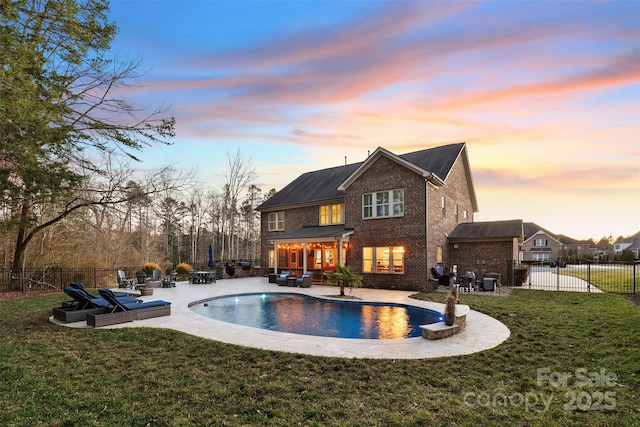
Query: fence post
[(634, 275)]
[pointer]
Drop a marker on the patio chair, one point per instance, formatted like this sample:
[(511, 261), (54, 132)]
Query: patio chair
[(304, 281), (170, 281), (122, 312), (123, 282), (282, 278), (156, 279)]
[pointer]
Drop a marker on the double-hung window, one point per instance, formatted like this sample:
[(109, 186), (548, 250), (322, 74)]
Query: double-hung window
[(540, 242), (276, 221), (332, 214), (383, 204)]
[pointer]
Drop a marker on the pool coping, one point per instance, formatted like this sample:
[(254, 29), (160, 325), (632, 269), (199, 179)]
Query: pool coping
[(482, 332)]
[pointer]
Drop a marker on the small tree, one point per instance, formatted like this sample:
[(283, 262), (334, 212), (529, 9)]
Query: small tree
[(627, 255), (344, 276)]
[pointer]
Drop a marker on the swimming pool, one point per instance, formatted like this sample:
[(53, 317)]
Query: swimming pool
[(308, 315)]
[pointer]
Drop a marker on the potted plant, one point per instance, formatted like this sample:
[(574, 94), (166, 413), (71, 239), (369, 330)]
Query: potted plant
[(344, 276), (146, 290)]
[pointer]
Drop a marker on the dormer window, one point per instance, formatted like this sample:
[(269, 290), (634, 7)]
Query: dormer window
[(332, 214), (383, 204)]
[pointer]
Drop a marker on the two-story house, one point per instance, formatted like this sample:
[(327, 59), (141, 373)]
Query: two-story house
[(387, 217), (540, 245)]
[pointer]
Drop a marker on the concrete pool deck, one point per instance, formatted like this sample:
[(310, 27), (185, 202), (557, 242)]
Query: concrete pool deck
[(482, 332)]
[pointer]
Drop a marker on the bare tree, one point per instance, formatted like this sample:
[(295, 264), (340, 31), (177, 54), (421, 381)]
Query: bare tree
[(239, 175)]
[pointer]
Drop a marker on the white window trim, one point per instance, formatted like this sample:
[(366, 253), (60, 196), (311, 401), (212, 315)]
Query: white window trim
[(274, 225), (390, 204), (390, 267)]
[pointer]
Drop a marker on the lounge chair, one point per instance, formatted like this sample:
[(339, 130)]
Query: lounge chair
[(304, 281), (80, 307), (80, 286), (126, 312), (282, 278), (123, 282)]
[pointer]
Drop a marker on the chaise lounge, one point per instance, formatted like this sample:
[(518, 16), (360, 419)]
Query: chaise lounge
[(83, 304), (81, 287), (120, 312)]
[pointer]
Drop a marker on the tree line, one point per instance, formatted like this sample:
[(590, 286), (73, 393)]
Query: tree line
[(70, 194)]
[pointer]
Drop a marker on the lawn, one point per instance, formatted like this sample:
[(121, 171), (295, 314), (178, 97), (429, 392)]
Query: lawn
[(54, 375), (620, 279)]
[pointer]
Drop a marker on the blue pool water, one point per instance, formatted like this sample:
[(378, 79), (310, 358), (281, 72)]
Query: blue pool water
[(307, 315)]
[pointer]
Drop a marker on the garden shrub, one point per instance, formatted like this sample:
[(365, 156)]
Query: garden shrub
[(148, 268), (183, 270)]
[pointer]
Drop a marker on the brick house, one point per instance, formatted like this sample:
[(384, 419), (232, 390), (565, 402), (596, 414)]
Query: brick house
[(387, 217), (486, 247)]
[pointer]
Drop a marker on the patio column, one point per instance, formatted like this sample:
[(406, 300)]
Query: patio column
[(304, 257), (275, 257)]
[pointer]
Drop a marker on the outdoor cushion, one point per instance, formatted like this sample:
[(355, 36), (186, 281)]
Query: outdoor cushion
[(122, 306)]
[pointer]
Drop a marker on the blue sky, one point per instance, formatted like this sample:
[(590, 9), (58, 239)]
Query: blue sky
[(545, 94)]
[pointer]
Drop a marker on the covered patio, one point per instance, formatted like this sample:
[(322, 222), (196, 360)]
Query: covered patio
[(316, 249)]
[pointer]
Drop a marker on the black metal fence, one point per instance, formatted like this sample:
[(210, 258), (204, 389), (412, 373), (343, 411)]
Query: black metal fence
[(54, 279), (555, 275), (560, 275)]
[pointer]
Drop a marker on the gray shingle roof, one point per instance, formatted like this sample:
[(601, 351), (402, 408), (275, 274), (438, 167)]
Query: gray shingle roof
[(487, 230), (323, 184), (531, 228)]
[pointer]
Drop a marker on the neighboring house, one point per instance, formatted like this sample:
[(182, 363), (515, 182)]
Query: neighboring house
[(486, 247), (539, 245), (631, 243), (620, 246), (387, 217), (572, 249)]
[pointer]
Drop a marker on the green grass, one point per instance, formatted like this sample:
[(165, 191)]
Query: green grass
[(611, 280), (53, 375)]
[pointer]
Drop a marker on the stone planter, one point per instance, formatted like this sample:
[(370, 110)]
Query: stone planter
[(146, 291)]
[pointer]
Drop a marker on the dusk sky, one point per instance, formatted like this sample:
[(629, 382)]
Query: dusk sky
[(546, 94)]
